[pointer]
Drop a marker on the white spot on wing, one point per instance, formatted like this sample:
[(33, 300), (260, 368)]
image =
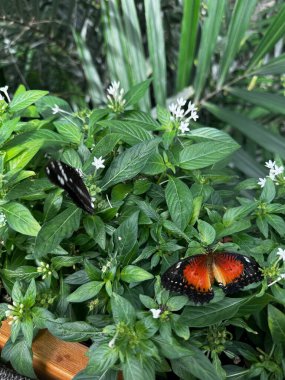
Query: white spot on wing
[(48, 171), (61, 180), (247, 259), (178, 264)]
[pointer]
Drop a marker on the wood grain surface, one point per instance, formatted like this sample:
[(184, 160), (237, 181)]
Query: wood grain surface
[(53, 359)]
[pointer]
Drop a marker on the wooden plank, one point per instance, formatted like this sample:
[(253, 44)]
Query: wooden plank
[(53, 359)]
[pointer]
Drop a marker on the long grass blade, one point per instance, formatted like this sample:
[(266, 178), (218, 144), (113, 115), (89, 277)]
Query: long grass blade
[(96, 89), (275, 66), (272, 102), (134, 43), (275, 31), (188, 39), (210, 31), (250, 128), (117, 57), (248, 165), (238, 25), (156, 48)]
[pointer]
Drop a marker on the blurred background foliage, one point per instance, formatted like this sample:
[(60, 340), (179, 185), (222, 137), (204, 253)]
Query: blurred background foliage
[(226, 55)]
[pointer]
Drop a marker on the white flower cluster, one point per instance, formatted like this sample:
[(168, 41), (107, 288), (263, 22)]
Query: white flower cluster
[(15, 312), (115, 97), (44, 269), (281, 256), (181, 116), (2, 219), (274, 171), (155, 313)]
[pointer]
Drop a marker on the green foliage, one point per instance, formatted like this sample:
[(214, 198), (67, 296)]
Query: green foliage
[(55, 257), (162, 194)]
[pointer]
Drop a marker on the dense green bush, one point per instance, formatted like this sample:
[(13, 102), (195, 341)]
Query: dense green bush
[(161, 192)]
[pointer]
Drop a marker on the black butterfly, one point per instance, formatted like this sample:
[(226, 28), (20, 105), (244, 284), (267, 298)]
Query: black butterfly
[(69, 179)]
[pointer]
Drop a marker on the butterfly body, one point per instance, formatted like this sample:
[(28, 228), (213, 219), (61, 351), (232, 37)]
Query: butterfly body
[(195, 275), (69, 179)]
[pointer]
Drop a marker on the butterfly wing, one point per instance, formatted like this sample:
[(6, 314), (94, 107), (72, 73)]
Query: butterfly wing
[(192, 277), (234, 271), (68, 178)]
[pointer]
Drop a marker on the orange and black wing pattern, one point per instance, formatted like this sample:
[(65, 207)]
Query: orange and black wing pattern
[(191, 277), (233, 271)]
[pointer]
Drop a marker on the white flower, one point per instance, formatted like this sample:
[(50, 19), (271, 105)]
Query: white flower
[(181, 102), (113, 88), (115, 97), (261, 182), (281, 253), (278, 170), (191, 107), (271, 175), (111, 344), (98, 163), (119, 238), (55, 109), (155, 313), (5, 92), (194, 115), (270, 164), (183, 127), (172, 108)]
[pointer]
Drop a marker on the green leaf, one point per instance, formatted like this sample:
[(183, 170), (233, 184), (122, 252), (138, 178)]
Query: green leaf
[(276, 323), (154, 165), (17, 295), (268, 192), (86, 291), (21, 358), (122, 310), (27, 328), (197, 365), (155, 39), (201, 155), (69, 130), (176, 303), (71, 331), (30, 295), (147, 301), (20, 219), (239, 23), (179, 201), (211, 134), (272, 102), (96, 90), (101, 359), (275, 66), (132, 273), (25, 99), (134, 41), (188, 39), (129, 163), (129, 132), (57, 229), (133, 369), (95, 228), (250, 128), (141, 119), (262, 225), (126, 234), (136, 92), (210, 31), (276, 222), (207, 232), (236, 213), (64, 261), (275, 31), (212, 313)]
